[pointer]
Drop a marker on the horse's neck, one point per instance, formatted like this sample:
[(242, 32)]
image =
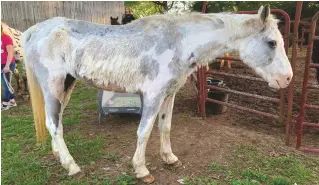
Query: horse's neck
[(208, 43)]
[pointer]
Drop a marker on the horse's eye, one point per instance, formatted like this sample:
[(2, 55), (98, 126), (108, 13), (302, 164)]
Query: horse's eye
[(272, 44)]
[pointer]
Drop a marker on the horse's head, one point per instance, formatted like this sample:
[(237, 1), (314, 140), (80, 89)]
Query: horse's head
[(263, 50)]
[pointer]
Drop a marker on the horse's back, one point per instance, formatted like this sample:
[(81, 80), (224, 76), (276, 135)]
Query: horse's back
[(41, 30), (58, 24), (48, 43)]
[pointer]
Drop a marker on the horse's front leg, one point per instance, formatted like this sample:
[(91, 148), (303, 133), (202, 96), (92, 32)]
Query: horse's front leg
[(164, 124), (151, 105)]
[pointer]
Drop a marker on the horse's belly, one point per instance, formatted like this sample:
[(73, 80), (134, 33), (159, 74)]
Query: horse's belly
[(112, 87), (115, 88)]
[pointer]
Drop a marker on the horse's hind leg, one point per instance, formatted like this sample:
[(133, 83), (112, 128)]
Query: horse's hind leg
[(56, 98), (164, 124)]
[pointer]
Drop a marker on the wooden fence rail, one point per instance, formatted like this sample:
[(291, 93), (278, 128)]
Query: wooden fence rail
[(23, 14)]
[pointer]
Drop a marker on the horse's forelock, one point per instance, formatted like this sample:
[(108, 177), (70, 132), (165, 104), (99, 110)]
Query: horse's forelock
[(272, 20)]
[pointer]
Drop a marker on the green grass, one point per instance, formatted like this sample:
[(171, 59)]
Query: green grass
[(216, 167), (20, 156), (281, 181), (24, 162), (84, 150), (199, 181), (125, 179), (249, 166), (114, 156), (253, 175), (245, 182)]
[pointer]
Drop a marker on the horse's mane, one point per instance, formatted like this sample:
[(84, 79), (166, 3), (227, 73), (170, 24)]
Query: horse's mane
[(229, 19)]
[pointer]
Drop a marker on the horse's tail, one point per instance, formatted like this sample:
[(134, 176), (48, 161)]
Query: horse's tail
[(36, 95), (37, 102)]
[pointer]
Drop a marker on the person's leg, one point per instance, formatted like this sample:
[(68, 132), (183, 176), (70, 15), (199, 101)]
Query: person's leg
[(12, 102), (6, 96)]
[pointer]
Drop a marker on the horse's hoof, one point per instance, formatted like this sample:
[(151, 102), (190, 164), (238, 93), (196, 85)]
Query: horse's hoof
[(78, 175), (74, 169), (149, 179), (176, 164)]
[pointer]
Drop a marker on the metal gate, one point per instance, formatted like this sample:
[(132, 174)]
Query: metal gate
[(299, 120), (202, 74), (305, 86), (291, 120)]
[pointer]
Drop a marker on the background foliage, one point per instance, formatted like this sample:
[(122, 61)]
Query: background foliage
[(142, 8)]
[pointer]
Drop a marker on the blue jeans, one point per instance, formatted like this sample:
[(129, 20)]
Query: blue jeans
[(7, 93)]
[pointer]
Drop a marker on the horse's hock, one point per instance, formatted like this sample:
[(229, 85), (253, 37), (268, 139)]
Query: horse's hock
[(284, 116)]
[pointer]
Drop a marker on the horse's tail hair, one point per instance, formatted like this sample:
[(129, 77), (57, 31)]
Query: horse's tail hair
[(37, 102)]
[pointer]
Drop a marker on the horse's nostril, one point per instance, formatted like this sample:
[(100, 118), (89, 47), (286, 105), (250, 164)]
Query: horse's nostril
[(288, 79)]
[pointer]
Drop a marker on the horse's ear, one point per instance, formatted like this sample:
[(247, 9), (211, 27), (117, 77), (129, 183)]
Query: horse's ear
[(260, 9), (264, 12)]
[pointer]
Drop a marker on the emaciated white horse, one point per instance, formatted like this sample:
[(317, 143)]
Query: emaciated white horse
[(153, 55)]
